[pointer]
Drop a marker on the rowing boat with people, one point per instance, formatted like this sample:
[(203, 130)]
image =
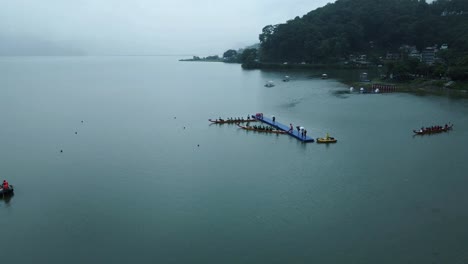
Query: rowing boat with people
[(231, 121), (433, 130), (264, 130)]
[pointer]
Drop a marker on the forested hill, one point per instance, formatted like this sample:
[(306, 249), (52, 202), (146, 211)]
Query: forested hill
[(371, 27)]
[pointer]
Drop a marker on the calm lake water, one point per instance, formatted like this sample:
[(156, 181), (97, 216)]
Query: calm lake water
[(133, 186)]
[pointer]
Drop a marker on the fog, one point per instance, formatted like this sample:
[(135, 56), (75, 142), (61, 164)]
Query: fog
[(139, 27)]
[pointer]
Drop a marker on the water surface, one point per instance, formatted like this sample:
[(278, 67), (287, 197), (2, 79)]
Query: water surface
[(146, 179)]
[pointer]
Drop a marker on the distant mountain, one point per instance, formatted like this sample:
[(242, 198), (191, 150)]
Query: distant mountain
[(348, 27), (14, 45)]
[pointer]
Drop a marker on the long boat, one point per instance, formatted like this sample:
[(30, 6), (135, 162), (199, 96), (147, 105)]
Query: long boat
[(275, 131), (432, 131), (231, 121)]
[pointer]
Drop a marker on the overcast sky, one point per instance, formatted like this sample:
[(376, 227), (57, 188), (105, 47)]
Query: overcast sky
[(106, 27)]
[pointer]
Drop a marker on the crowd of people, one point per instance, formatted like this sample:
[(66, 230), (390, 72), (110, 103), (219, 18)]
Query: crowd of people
[(300, 130), (434, 128), (262, 128), (234, 119)]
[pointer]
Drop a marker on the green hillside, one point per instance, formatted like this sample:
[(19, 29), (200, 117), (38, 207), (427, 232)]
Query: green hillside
[(349, 27)]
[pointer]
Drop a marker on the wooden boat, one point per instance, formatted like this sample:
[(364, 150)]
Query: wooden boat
[(227, 121), (327, 140), (432, 131), (6, 192), (275, 131)]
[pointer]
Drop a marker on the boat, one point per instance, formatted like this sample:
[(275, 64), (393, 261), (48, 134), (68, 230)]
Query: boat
[(231, 121), (327, 139), (286, 78), (270, 84), (324, 76), (6, 192), (440, 129), (275, 131)]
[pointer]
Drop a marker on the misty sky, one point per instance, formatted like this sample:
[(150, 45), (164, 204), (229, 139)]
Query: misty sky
[(106, 27)]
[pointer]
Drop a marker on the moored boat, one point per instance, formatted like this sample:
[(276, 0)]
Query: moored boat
[(270, 84), (327, 139), (267, 130), (231, 121), (432, 130)]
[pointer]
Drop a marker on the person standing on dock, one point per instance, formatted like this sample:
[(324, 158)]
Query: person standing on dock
[(290, 128), (305, 133), (273, 118), (297, 127)]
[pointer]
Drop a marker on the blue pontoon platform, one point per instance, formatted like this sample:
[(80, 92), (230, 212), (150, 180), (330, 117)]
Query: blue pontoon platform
[(280, 126)]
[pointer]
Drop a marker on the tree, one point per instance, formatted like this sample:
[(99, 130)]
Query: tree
[(230, 54), (249, 58), (348, 26), (267, 31)]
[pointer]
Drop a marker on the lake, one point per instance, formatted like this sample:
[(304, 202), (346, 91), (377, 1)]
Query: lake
[(144, 178)]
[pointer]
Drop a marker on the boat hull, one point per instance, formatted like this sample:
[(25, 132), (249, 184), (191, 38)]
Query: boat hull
[(6, 192), (231, 121), (262, 130), (429, 132), (326, 141)]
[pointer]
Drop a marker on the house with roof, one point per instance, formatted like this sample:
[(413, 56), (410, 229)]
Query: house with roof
[(428, 55)]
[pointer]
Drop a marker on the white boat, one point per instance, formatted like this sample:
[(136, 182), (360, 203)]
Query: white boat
[(270, 84), (286, 78), (324, 76)]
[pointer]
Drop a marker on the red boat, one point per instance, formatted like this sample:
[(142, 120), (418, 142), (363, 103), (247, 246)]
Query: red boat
[(433, 130)]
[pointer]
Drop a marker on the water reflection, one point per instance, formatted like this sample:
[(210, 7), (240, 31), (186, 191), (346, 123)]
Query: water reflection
[(341, 94), (293, 103), (6, 199)]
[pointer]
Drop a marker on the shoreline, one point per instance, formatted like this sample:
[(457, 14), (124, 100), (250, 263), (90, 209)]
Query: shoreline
[(418, 86)]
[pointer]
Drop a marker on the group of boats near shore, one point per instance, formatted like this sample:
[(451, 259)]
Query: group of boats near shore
[(286, 78)]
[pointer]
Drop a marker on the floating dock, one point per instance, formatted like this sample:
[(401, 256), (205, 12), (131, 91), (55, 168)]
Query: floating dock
[(296, 134)]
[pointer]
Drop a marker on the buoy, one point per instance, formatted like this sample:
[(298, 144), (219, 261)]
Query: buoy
[(198, 145), (81, 121), (76, 132), (61, 151)]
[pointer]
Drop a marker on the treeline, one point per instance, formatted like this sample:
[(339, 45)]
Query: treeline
[(347, 28)]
